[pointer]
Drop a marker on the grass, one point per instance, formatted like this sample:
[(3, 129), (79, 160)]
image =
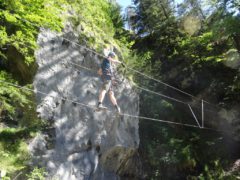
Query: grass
[(13, 158), (13, 149)]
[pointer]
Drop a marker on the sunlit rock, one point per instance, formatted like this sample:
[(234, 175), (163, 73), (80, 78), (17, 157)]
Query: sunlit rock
[(83, 140)]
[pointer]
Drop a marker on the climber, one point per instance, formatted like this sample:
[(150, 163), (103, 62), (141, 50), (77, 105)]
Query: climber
[(107, 74)]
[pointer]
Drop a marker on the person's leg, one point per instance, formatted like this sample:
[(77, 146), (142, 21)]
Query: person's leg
[(101, 95), (114, 101), (112, 98), (105, 87)]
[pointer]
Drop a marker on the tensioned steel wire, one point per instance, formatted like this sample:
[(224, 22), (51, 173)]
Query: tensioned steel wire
[(141, 88), (137, 86), (122, 114), (132, 69), (133, 116)]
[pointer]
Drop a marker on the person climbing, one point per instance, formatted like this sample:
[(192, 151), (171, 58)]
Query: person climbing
[(106, 74)]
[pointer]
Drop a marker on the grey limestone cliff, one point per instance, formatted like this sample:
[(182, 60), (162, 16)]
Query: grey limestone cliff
[(81, 143)]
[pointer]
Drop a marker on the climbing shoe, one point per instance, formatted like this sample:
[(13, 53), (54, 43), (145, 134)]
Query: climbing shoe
[(100, 107)]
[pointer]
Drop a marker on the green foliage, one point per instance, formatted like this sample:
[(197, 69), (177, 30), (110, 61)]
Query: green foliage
[(161, 48), (215, 172), (94, 20), (37, 174), (22, 35), (13, 150), (153, 15), (200, 63), (227, 26), (17, 43), (170, 152), (6, 178), (117, 20), (99, 22), (11, 96)]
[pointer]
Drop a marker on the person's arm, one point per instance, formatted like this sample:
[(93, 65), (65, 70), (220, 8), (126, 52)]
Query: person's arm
[(114, 60), (99, 72)]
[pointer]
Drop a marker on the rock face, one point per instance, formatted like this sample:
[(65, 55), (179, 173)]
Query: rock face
[(81, 144)]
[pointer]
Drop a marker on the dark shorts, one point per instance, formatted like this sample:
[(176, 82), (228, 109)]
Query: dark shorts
[(107, 85)]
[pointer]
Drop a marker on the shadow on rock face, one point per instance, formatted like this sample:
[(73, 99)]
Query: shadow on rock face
[(87, 145)]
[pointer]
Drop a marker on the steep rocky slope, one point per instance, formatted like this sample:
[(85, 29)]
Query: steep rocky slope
[(81, 143)]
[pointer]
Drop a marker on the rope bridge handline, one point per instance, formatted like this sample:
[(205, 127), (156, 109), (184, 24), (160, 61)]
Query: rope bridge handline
[(132, 69), (123, 114), (136, 71)]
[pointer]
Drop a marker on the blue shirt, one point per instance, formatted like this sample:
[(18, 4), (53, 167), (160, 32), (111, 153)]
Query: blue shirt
[(106, 69)]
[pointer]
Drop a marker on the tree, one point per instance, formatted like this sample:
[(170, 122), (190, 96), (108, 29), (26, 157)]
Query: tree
[(225, 20), (151, 14), (191, 7)]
